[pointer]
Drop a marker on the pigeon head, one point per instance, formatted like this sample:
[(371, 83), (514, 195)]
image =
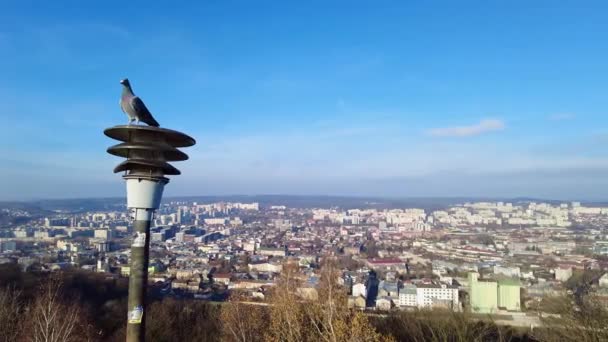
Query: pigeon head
[(125, 82)]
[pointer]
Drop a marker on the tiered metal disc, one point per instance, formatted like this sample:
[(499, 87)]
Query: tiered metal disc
[(148, 149)]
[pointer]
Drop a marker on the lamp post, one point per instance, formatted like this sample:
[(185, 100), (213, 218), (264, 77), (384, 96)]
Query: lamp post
[(147, 149)]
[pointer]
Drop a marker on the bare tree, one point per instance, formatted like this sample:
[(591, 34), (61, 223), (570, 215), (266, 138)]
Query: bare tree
[(178, 320), (296, 316), (52, 319), (10, 311), (330, 318), (286, 312), (585, 321), (326, 315), (242, 322), (438, 325)]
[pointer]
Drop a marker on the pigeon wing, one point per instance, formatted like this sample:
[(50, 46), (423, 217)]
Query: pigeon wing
[(142, 111)]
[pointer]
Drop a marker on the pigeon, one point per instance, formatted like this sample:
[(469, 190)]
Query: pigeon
[(134, 107)]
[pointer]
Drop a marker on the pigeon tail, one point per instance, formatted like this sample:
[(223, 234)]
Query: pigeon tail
[(152, 122)]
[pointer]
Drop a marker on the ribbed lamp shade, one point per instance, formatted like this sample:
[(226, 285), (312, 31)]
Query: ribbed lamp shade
[(148, 149)]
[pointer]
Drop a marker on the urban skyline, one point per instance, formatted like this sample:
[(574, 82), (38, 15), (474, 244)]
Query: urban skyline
[(500, 258), (304, 171)]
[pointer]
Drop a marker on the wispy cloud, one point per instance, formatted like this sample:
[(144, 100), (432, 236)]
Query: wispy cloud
[(561, 116), (484, 126)]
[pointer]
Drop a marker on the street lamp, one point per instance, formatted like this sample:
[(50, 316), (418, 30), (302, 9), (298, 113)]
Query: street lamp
[(148, 150)]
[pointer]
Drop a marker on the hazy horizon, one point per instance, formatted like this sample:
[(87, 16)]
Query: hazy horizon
[(278, 196), (467, 99)]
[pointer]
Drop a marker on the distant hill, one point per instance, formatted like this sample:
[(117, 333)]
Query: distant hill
[(294, 201), (41, 208)]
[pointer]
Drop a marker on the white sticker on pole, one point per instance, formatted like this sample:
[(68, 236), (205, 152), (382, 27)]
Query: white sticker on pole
[(139, 240), (136, 314)]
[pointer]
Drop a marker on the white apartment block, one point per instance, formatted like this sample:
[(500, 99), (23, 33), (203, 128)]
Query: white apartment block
[(426, 296), (407, 296), (104, 234), (359, 289), (215, 221)]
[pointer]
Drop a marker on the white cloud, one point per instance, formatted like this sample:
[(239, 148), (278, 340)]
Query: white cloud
[(484, 126)]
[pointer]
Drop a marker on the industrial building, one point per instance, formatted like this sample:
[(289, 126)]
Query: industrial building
[(490, 296)]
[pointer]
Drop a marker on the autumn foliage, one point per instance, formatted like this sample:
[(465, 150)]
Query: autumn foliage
[(82, 306), (291, 316)]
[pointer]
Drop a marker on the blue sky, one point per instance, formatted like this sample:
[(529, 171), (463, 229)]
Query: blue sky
[(403, 98)]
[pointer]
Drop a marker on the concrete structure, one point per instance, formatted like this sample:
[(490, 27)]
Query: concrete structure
[(221, 278), (384, 263), (388, 289), (249, 246), (102, 265), (603, 281), (104, 234), (359, 289), (266, 267), (600, 247), (215, 221), (102, 246), (408, 296), (271, 251), (429, 295), (8, 246), (483, 294), (509, 294), (490, 296), (437, 296), (563, 273), (22, 234), (507, 271)]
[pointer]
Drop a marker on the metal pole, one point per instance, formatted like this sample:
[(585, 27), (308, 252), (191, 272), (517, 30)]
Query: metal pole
[(147, 149), (138, 277)]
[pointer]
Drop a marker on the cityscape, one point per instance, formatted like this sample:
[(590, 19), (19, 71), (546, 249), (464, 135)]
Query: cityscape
[(499, 258), (332, 171)]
